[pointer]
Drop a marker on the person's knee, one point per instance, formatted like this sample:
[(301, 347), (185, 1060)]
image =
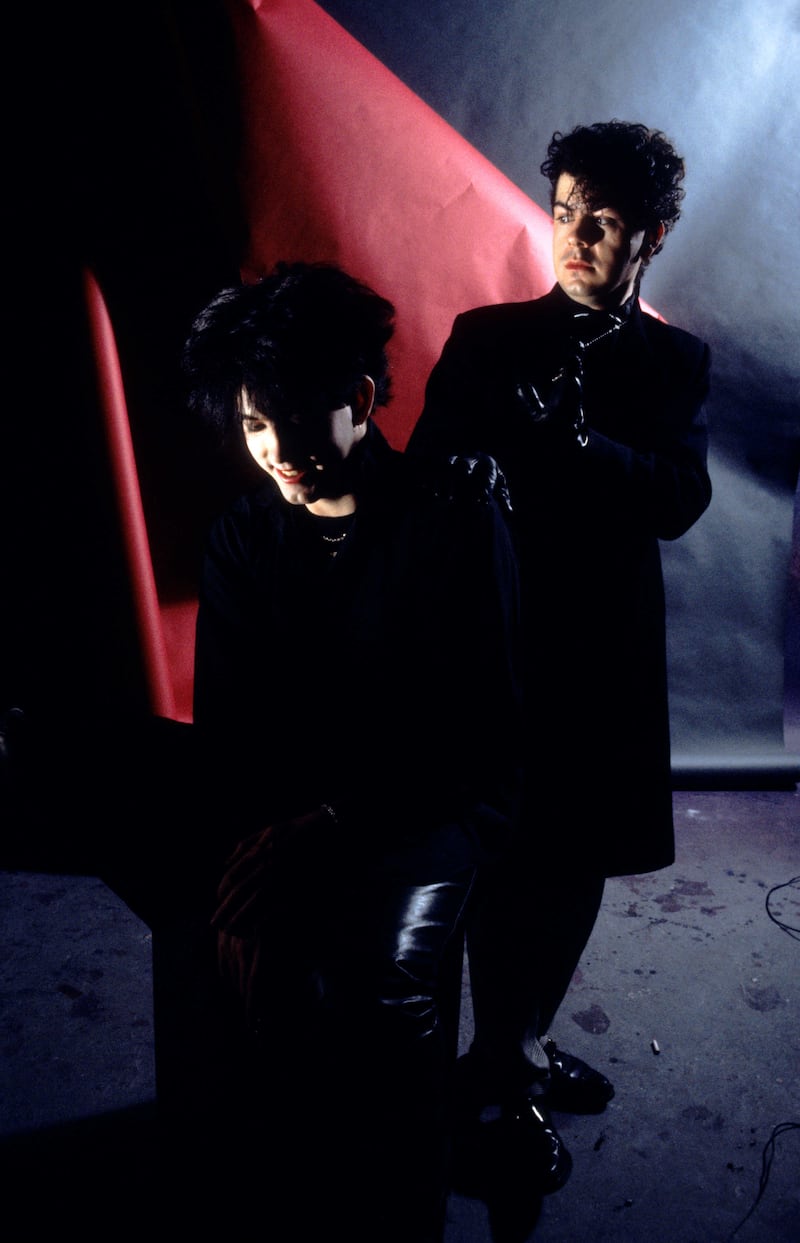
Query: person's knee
[(406, 1000)]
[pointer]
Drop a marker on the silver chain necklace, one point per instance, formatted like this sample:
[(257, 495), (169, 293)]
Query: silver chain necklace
[(333, 541), (616, 323)]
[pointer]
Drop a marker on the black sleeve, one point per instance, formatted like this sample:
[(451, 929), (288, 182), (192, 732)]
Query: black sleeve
[(664, 487), (448, 742), (652, 459), (225, 613), (454, 419)]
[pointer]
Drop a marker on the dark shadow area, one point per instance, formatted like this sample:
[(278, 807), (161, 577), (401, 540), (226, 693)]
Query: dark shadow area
[(491, 1167), (700, 958)]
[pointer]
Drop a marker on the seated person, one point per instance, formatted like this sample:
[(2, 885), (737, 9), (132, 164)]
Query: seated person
[(355, 685)]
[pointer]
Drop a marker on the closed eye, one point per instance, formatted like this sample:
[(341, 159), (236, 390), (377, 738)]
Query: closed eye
[(252, 425)]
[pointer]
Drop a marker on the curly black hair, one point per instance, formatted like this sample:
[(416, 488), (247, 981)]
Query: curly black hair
[(299, 339), (624, 165)]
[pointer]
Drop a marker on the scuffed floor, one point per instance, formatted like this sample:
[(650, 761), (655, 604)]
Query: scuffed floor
[(687, 998), (76, 1025)]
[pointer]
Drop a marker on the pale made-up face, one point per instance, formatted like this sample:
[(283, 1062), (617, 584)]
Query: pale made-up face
[(597, 255), (306, 455)]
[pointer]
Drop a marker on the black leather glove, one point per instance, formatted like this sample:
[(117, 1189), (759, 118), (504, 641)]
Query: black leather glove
[(561, 406), (475, 477)]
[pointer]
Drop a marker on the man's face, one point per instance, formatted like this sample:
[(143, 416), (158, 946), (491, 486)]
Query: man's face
[(597, 255), (305, 454)]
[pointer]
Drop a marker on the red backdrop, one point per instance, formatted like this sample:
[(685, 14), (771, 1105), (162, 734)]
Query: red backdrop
[(342, 162)]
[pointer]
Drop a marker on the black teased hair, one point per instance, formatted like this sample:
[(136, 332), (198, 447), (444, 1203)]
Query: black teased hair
[(298, 340)]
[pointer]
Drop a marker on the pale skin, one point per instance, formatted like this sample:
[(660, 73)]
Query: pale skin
[(307, 457), (597, 254)]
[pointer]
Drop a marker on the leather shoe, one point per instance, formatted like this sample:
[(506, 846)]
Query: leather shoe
[(530, 1123), (573, 1086)]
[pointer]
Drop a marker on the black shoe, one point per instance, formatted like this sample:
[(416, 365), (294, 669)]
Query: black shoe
[(574, 1086), (537, 1140)]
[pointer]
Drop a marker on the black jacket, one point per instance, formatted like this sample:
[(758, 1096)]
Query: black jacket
[(587, 522), (381, 681)]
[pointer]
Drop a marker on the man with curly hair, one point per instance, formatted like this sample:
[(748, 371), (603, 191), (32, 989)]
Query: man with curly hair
[(593, 410)]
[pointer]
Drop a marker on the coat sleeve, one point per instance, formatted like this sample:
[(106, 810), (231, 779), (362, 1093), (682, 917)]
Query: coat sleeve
[(660, 480), (445, 721), (482, 754), (647, 441), (225, 618), (454, 419)]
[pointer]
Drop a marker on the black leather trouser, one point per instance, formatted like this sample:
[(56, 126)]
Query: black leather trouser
[(351, 1054)]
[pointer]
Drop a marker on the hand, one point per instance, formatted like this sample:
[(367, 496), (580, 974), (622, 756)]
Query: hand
[(249, 887), (477, 477), (562, 406), (243, 964)]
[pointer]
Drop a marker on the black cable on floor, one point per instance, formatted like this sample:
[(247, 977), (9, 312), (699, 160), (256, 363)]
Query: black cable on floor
[(766, 1164), (768, 1154), (792, 931)]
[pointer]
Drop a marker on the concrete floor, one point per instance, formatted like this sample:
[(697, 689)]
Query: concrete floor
[(700, 958), (689, 958)]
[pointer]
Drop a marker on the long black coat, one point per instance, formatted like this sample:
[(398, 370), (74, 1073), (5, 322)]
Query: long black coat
[(587, 522)]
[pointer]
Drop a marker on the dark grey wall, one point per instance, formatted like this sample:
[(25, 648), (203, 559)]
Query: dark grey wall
[(720, 79)]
